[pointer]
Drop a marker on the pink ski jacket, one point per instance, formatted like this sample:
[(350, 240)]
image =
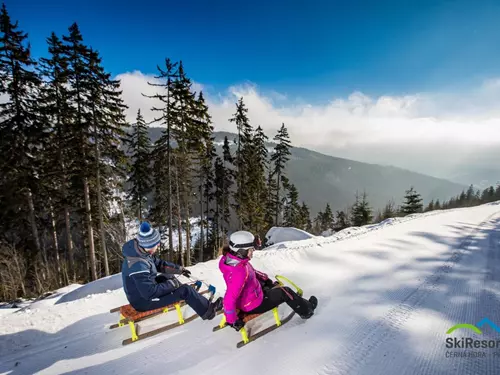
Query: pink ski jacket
[(244, 291)]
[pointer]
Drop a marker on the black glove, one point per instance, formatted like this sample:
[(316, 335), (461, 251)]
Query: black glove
[(161, 278), (186, 272), (174, 282), (239, 324)]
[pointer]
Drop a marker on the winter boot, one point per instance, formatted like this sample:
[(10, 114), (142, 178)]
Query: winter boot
[(213, 308), (314, 302), (311, 306)]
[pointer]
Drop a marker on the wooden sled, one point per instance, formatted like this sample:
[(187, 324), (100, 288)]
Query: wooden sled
[(130, 316)]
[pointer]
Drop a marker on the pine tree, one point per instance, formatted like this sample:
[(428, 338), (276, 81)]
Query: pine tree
[(305, 218), (437, 205), (140, 177), (317, 223), (162, 152), (271, 202), (292, 208), (255, 194), (227, 184), (413, 202), (327, 219), (280, 157), (389, 210), (341, 221), (21, 136), (361, 211), (108, 121), (430, 206), (78, 57), (58, 163), (470, 196), (240, 118), (206, 153), (191, 130)]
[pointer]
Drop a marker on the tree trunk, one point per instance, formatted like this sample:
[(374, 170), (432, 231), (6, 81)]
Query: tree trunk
[(90, 231), (217, 223), (56, 243), (34, 230), (69, 245), (202, 238), (124, 227), (179, 216), (169, 157), (278, 203), (188, 238), (99, 202)]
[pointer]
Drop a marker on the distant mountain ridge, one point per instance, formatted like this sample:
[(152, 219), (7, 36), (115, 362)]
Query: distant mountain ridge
[(323, 179)]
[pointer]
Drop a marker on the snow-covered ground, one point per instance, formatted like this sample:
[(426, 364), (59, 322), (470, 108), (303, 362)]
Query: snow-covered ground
[(387, 295)]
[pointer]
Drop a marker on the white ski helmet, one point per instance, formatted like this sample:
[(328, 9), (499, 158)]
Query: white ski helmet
[(241, 241)]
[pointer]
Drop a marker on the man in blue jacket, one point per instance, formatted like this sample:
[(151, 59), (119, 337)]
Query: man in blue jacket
[(150, 283)]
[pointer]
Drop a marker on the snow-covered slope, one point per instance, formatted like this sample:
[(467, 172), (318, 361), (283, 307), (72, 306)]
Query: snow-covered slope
[(387, 295)]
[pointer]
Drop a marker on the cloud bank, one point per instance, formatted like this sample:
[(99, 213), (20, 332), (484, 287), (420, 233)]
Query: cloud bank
[(421, 131)]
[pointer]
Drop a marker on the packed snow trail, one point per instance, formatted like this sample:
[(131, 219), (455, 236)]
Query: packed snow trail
[(387, 295)]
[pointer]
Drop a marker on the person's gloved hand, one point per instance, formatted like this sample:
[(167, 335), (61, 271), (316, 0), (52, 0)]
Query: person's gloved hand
[(174, 282), (186, 272), (237, 325)]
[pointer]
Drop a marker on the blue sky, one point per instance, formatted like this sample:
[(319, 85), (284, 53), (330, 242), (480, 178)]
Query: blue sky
[(311, 49)]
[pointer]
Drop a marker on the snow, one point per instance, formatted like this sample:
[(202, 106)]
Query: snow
[(103, 285), (282, 234), (387, 295)]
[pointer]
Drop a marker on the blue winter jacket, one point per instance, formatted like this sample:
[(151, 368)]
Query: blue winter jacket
[(139, 271)]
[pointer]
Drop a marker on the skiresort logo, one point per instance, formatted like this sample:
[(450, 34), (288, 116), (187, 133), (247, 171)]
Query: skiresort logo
[(476, 327), (469, 342)]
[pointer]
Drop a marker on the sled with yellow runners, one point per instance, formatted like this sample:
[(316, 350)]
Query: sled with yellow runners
[(131, 317), (246, 334)]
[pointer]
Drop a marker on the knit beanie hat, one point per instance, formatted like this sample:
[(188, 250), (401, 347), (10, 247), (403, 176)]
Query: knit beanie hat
[(148, 237)]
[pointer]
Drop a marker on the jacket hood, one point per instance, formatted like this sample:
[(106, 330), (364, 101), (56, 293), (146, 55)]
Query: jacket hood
[(131, 249), (229, 261)]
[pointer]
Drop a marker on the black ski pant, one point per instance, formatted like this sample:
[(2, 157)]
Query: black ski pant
[(278, 295)]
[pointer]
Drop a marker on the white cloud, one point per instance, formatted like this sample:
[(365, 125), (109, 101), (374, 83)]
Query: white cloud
[(426, 122)]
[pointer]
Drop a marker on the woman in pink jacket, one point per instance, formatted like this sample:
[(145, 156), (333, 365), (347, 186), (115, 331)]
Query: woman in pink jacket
[(251, 291)]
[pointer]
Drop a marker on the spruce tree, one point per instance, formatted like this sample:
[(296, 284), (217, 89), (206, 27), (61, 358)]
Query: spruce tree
[(317, 223), (140, 177), (470, 194), (437, 205), (292, 207), (108, 121), (430, 206), (56, 111), (79, 76), (227, 184), (243, 151), (341, 221), (390, 210), (327, 219), (279, 158), (413, 202), (202, 140), (162, 151), (361, 211), (21, 136), (305, 218), (255, 195)]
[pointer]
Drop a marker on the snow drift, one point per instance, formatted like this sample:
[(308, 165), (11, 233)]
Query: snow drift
[(282, 234)]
